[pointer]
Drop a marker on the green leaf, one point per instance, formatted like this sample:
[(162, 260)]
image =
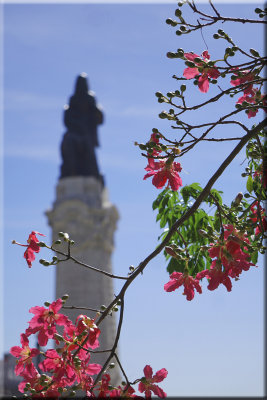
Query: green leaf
[(249, 185), (175, 265), (254, 257)]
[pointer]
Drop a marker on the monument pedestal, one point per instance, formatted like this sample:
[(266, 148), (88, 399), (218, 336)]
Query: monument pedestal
[(82, 209)]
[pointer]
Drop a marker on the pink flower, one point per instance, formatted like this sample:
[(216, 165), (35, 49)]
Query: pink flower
[(215, 276), (147, 383), (32, 247), (255, 218), (205, 71), (45, 321), (163, 171), (59, 365), (86, 324), (190, 284), (247, 76), (25, 355)]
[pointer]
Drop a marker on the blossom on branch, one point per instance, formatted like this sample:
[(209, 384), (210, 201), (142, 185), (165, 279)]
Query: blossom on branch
[(32, 247), (147, 383), (202, 68), (190, 284), (45, 321), (230, 259), (25, 355), (163, 171)]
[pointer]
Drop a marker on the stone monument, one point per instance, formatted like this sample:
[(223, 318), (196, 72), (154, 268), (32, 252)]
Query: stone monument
[(82, 209)]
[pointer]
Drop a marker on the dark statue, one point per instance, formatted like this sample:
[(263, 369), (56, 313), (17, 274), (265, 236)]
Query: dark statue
[(81, 117)]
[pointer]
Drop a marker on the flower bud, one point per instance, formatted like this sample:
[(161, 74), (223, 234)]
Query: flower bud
[(61, 234), (65, 297), (171, 55), (258, 10), (169, 250), (254, 53), (46, 263), (178, 32), (238, 199), (183, 28), (103, 307), (41, 261), (47, 304), (221, 32), (58, 337), (171, 22), (55, 258), (57, 241), (190, 64), (183, 88), (115, 309), (163, 115), (202, 232), (178, 12), (66, 237), (112, 365), (72, 242), (41, 244), (216, 36)]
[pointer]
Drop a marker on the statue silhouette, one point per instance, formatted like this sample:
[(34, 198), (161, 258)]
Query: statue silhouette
[(81, 118)]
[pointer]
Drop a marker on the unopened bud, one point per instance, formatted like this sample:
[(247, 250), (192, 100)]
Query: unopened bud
[(111, 365), (47, 304), (58, 241), (58, 337), (55, 258), (202, 233), (254, 52), (238, 199), (190, 64), (66, 237), (169, 250), (65, 297), (103, 307), (72, 242), (46, 263), (61, 234)]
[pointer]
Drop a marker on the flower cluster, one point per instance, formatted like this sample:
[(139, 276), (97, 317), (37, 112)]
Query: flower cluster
[(251, 94), (201, 70), (163, 170), (68, 368), (261, 223), (231, 259)]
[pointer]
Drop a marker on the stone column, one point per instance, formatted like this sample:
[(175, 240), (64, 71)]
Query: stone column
[(82, 209)]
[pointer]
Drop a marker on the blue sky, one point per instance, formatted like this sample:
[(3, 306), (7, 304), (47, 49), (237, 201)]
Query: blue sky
[(211, 346)]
